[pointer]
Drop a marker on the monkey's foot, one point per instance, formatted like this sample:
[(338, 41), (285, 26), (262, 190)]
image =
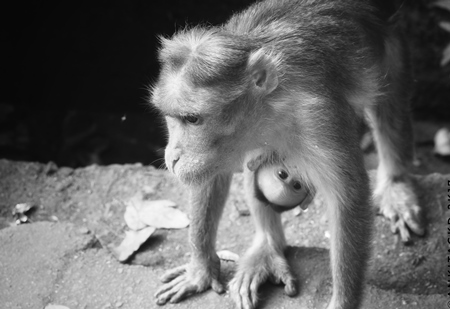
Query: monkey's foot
[(254, 270), (398, 203), (186, 280)]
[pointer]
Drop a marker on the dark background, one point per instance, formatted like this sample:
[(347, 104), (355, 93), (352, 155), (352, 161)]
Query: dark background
[(75, 74)]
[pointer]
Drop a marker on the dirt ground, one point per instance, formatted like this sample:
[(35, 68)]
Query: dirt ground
[(61, 256)]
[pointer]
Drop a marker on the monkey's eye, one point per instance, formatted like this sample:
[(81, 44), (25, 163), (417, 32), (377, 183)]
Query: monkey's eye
[(296, 185), (282, 174), (191, 119)]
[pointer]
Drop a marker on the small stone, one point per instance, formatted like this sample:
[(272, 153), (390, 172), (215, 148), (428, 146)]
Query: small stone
[(64, 184), (107, 306), (65, 171), (50, 306), (83, 230), (50, 168), (22, 208)]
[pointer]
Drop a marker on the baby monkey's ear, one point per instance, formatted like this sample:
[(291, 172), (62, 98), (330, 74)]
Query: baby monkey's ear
[(263, 72)]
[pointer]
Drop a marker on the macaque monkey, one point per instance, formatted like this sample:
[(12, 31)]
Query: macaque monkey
[(292, 78)]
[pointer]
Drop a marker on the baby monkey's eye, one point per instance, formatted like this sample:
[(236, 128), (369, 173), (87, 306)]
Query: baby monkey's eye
[(283, 174), (296, 185), (191, 119)]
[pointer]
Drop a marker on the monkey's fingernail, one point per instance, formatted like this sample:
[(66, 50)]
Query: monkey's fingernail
[(217, 287), (290, 289), (405, 236)]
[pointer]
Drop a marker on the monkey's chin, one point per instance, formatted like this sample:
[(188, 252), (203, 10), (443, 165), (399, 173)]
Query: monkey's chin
[(194, 178)]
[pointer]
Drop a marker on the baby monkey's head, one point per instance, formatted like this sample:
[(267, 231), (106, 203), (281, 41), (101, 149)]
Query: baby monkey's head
[(278, 187)]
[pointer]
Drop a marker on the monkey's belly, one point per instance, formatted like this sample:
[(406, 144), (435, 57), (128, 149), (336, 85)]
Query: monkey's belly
[(277, 191)]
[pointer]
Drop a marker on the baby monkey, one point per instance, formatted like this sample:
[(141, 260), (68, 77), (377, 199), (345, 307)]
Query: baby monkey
[(291, 77), (278, 187)]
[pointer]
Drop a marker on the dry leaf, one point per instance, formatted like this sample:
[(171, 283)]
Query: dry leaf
[(50, 306), (157, 214), (133, 240), (131, 217), (228, 255)]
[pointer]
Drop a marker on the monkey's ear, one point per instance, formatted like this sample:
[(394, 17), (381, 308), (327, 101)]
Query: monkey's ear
[(263, 72)]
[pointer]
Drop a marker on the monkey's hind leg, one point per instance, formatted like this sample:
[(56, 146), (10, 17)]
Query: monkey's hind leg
[(265, 259), (391, 123)]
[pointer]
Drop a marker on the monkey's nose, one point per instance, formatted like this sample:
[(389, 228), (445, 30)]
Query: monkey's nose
[(173, 155), (174, 162)]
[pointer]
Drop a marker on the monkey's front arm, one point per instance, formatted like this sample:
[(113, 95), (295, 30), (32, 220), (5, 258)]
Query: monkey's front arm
[(203, 271)]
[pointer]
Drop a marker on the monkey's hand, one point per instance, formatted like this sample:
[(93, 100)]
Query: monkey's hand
[(254, 269), (195, 277), (398, 203), (258, 157), (254, 163)]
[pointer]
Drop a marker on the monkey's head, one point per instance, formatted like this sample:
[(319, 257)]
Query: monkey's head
[(209, 90)]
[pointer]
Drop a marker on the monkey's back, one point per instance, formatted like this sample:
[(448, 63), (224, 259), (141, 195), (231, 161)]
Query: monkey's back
[(334, 21), (320, 42)]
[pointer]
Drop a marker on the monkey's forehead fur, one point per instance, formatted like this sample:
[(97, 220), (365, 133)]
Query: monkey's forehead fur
[(310, 44)]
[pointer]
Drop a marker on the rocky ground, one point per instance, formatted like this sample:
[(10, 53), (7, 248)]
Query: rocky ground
[(61, 257)]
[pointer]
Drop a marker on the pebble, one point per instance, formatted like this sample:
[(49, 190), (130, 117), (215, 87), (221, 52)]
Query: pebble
[(50, 306), (83, 230), (107, 306), (50, 168)]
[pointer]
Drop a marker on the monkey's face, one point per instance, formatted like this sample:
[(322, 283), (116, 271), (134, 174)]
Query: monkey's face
[(202, 144), (208, 90)]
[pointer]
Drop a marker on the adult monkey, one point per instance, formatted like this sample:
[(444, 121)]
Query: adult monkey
[(288, 78)]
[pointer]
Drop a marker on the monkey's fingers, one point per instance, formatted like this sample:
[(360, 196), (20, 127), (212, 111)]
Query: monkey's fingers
[(234, 287), (169, 286), (173, 273), (284, 275), (414, 219), (217, 286), (405, 235), (398, 226), (290, 286), (409, 218), (243, 292), (398, 202), (255, 283), (176, 291), (184, 290), (248, 298), (404, 225), (394, 223), (255, 163)]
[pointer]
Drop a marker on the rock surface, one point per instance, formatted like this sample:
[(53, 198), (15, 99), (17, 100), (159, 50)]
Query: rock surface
[(59, 259)]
